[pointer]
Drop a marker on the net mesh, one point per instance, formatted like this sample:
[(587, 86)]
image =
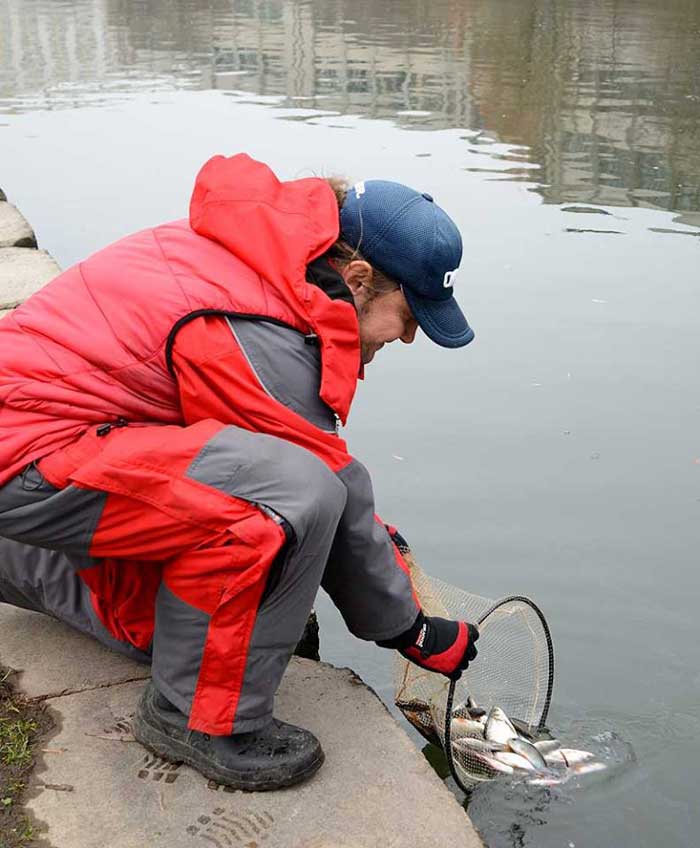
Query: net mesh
[(513, 671)]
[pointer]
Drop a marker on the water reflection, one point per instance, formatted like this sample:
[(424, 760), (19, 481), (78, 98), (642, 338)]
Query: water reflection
[(605, 95)]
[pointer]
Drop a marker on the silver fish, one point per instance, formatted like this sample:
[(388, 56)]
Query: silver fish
[(547, 780), (527, 749), (493, 764), (467, 727), (545, 746), (514, 760), (572, 756), (577, 768), (588, 768), (499, 727), (555, 758), (471, 743)]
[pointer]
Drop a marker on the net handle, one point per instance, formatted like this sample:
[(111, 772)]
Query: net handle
[(453, 683)]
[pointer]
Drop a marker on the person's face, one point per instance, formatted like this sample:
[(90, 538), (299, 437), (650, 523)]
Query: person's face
[(384, 317)]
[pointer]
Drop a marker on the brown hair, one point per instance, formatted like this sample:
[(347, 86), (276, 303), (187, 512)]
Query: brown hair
[(343, 254)]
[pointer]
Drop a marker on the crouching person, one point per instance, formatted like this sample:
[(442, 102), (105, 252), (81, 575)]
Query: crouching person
[(172, 481)]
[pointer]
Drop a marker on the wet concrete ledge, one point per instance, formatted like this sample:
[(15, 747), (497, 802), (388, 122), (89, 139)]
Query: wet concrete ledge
[(94, 785)]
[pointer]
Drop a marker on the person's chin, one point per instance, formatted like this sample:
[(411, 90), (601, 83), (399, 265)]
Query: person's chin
[(368, 354)]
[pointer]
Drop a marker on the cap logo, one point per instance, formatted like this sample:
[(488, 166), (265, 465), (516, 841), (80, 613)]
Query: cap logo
[(359, 188), (449, 279)]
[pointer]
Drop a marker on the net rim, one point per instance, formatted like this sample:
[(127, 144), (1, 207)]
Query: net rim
[(453, 683)]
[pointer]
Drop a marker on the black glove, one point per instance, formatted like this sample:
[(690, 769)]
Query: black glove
[(438, 644)]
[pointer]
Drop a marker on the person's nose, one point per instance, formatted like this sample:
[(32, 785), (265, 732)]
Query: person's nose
[(410, 331)]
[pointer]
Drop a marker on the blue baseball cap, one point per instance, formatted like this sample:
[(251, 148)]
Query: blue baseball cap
[(409, 238)]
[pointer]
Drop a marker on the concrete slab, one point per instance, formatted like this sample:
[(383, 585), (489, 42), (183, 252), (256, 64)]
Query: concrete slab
[(52, 658), (23, 271), (14, 229), (94, 785)]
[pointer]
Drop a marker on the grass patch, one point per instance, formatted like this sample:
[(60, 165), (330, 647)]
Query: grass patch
[(21, 725)]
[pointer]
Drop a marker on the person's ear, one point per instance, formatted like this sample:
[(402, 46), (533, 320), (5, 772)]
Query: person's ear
[(357, 274)]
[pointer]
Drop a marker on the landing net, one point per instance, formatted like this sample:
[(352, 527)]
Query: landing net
[(514, 671)]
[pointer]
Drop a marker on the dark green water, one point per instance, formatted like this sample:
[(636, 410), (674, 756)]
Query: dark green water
[(558, 455)]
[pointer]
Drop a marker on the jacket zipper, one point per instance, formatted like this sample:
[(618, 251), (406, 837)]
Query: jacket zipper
[(103, 429)]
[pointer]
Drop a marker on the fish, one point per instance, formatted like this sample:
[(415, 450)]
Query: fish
[(499, 727), (472, 743), (474, 713), (491, 744), (546, 746), (514, 760), (527, 749), (474, 710), (467, 727), (553, 779), (588, 768), (527, 731), (572, 756), (546, 780), (567, 757), (495, 766), (553, 753), (555, 758)]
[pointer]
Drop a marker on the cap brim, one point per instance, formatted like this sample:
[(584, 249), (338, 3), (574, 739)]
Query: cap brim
[(442, 321)]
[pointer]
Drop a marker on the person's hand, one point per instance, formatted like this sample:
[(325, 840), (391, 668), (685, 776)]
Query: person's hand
[(436, 644), (398, 539), (443, 646)]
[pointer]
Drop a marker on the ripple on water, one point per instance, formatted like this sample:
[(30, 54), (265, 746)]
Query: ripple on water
[(511, 811)]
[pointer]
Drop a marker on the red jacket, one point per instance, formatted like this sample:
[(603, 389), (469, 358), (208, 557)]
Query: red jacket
[(92, 345)]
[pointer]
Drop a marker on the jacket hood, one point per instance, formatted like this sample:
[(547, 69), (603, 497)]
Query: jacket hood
[(277, 228)]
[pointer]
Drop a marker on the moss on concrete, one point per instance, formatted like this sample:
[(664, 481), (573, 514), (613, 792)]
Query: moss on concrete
[(22, 724)]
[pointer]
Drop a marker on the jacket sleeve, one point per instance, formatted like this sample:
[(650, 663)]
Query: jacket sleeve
[(265, 378)]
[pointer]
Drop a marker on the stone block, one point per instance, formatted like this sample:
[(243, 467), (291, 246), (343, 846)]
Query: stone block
[(23, 272), (14, 229)]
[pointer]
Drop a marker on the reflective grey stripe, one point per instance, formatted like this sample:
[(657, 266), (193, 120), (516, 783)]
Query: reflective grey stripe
[(373, 594), (288, 369)]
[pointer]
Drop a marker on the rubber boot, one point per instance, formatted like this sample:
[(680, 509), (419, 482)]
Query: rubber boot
[(278, 755)]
